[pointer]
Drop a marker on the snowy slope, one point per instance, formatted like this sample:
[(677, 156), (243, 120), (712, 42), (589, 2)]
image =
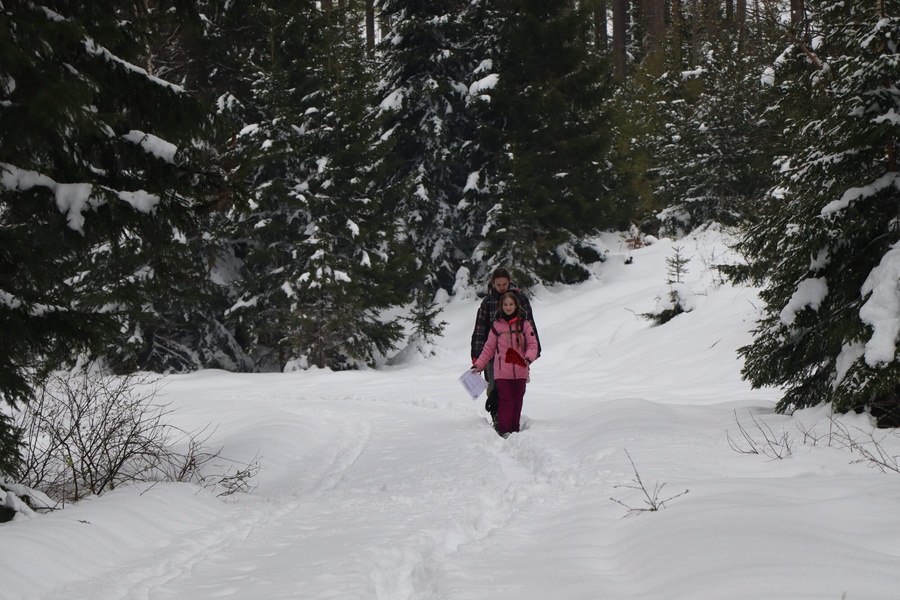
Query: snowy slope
[(390, 484)]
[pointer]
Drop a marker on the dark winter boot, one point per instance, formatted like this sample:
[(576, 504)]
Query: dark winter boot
[(490, 404)]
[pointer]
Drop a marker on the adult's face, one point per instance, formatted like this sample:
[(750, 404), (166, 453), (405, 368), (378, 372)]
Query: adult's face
[(501, 284)]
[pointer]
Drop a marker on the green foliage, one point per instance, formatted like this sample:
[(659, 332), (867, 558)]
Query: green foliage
[(713, 143), (423, 318), (634, 117), (320, 264), (545, 127), (676, 266), (424, 67), (828, 247), (100, 169), (679, 298)]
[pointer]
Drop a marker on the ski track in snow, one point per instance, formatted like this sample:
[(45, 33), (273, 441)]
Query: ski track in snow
[(149, 576), (410, 538)]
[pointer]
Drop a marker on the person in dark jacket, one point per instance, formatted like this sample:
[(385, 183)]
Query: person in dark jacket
[(500, 284)]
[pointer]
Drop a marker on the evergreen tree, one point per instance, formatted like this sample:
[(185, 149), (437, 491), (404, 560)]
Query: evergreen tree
[(635, 120), (425, 62), (830, 247), (320, 266), (183, 327), (704, 122), (544, 124), (267, 151), (99, 169), (713, 151)]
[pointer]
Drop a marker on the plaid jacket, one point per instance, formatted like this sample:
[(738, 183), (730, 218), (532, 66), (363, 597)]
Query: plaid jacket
[(487, 314)]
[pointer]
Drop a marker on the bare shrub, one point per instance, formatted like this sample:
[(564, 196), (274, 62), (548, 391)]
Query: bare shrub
[(241, 480), (652, 501), (86, 434), (767, 443), (869, 446)]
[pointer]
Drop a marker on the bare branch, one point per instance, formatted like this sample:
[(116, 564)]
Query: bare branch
[(87, 434), (652, 500)]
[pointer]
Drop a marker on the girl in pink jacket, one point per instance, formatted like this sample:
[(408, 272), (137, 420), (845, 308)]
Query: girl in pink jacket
[(513, 346)]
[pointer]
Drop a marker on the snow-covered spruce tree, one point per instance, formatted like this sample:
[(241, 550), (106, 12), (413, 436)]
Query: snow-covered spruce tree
[(99, 173), (830, 250), (482, 39), (265, 67), (679, 298), (182, 326), (320, 267), (544, 128), (425, 62), (171, 313), (714, 148)]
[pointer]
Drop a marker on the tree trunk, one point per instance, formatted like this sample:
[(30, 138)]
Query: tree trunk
[(712, 19), (598, 12), (695, 31), (384, 25), (798, 13), (740, 20), (654, 23), (677, 28), (370, 27), (620, 25)]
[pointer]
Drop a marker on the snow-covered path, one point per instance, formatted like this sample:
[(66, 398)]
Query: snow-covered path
[(390, 485), (384, 500), (397, 493)]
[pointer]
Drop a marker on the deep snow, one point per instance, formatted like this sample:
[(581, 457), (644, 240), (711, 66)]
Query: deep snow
[(390, 484)]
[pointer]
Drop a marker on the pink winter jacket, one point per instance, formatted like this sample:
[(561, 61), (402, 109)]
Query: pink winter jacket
[(524, 342)]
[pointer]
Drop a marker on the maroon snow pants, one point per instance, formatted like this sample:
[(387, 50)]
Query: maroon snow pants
[(511, 393)]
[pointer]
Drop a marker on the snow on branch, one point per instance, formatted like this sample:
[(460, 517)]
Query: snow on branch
[(884, 182), (393, 101), (882, 309), (486, 83), (141, 201), (97, 50), (72, 199), (809, 293), (12, 302), (151, 144), (8, 300)]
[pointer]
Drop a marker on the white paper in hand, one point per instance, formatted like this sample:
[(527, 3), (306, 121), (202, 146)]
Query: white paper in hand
[(473, 383)]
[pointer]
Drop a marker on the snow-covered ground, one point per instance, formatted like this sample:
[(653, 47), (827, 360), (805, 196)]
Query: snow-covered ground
[(389, 484)]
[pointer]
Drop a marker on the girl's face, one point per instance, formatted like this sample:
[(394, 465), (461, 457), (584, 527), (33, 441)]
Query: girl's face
[(509, 306)]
